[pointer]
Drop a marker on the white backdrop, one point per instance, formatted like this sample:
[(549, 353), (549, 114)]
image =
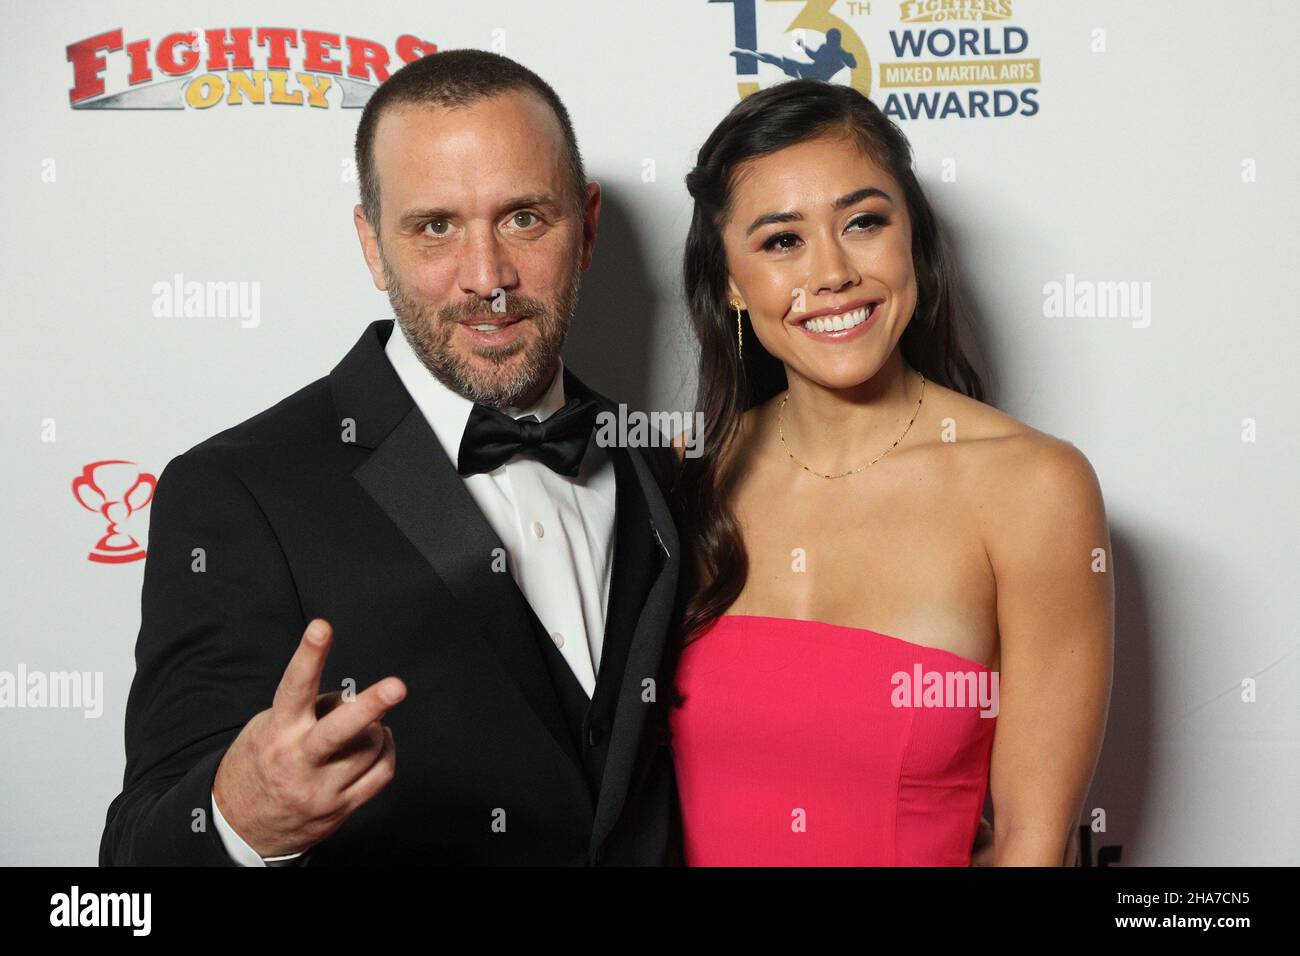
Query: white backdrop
[(1160, 155)]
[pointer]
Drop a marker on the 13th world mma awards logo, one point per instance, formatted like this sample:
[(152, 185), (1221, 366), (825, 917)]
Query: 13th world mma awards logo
[(944, 59), (259, 65), (118, 491)]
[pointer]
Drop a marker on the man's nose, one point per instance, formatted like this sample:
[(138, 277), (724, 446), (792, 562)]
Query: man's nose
[(485, 264)]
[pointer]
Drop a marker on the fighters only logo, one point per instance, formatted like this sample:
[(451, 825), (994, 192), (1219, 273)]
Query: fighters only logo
[(236, 65)]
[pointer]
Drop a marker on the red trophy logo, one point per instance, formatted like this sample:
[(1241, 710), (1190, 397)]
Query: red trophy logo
[(118, 491)]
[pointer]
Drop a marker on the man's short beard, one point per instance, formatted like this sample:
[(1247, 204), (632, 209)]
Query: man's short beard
[(430, 334)]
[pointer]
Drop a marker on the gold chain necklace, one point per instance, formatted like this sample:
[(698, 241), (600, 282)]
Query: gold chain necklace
[(781, 431)]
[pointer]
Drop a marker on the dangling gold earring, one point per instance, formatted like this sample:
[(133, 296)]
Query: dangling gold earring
[(740, 342)]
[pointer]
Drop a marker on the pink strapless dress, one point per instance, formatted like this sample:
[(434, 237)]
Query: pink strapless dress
[(799, 745)]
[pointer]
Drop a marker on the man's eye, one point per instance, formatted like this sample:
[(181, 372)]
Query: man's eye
[(529, 215), (437, 227)]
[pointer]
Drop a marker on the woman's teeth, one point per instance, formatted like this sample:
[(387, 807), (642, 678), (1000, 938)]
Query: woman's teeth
[(838, 323)]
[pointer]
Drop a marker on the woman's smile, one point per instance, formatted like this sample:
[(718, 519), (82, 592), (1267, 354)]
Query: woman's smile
[(840, 324)]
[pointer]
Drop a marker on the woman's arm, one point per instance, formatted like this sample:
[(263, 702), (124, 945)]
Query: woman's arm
[(1051, 556)]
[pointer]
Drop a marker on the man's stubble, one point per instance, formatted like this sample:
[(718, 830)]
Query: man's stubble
[(430, 332)]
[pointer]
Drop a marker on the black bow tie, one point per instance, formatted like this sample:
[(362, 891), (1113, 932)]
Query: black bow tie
[(492, 438)]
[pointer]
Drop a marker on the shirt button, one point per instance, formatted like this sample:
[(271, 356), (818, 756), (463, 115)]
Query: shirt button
[(538, 529), (558, 638)]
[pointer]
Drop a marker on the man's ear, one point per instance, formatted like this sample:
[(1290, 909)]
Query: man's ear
[(369, 246), (590, 215)]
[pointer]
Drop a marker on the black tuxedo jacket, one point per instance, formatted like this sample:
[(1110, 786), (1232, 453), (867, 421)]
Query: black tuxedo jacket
[(339, 502)]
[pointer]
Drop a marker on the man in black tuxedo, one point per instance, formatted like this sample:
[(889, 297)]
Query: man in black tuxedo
[(424, 553)]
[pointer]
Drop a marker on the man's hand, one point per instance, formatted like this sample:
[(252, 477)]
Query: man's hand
[(296, 772), (981, 853)]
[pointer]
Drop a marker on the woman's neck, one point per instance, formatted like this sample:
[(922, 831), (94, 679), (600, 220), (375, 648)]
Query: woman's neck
[(834, 430)]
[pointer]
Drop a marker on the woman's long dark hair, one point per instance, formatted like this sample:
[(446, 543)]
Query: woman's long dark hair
[(715, 565)]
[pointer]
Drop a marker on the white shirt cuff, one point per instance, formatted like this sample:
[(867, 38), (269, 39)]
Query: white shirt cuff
[(239, 851)]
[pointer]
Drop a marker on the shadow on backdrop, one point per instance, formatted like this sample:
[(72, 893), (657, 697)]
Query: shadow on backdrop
[(610, 343)]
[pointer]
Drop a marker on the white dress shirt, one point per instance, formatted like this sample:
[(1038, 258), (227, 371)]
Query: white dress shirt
[(558, 532)]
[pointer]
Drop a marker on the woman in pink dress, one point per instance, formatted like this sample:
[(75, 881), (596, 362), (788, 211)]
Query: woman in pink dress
[(898, 600)]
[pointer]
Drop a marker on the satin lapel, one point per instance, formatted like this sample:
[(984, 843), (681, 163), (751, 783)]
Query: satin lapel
[(643, 658), (409, 476)]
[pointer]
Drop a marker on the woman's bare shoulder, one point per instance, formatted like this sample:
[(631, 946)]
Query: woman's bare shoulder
[(1007, 461), (961, 418)]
